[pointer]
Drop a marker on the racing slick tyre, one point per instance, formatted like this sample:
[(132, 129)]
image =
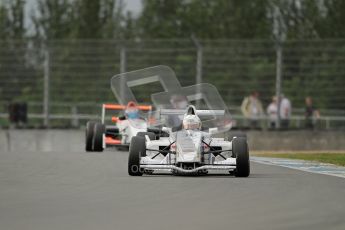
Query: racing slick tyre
[(137, 149), (152, 136), (99, 130), (240, 149), (89, 135)]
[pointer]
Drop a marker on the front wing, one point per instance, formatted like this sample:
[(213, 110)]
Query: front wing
[(147, 163)]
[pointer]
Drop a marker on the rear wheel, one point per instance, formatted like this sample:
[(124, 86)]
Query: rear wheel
[(151, 135), (99, 130), (240, 150), (89, 135), (136, 150)]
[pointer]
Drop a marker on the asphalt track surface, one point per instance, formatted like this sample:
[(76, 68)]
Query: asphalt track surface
[(78, 190)]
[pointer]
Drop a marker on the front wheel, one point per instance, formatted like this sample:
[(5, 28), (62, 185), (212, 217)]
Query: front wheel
[(137, 149), (240, 150)]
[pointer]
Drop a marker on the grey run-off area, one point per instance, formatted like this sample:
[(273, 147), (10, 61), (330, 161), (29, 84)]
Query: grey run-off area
[(79, 190)]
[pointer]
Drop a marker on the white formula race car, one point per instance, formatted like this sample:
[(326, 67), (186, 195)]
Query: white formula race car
[(188, 151), (194, 144)]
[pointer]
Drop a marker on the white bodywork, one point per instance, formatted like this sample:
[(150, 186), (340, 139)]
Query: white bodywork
[(127, 130), (130, 128), (190, 148), (188, 152)]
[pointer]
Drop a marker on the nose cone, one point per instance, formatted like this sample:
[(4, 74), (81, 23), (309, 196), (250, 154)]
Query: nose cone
[(187, 147), (188, 157)]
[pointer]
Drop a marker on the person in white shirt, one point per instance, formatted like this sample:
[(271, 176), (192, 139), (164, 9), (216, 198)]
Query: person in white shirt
[(285, 112), (272, 113)]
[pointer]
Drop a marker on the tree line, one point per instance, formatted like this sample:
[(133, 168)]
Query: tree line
[(217, 19), (230, 20)]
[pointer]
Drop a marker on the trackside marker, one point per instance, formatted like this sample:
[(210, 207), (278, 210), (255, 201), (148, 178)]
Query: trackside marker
[(307, 166)]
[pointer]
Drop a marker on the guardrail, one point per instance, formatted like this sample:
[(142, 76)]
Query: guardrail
[(76, 120), (76, 114)]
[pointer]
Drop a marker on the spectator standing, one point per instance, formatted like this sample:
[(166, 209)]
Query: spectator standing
[(285, 112), (17, 114), (252, 109), (311, 113), (272, 113)]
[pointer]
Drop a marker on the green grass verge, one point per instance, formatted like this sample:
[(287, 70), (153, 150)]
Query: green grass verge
[(332, 158)]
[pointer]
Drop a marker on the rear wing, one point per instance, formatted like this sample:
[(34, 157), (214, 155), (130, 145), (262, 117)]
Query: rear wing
[(208, 117), (121, 107), (211, 112)]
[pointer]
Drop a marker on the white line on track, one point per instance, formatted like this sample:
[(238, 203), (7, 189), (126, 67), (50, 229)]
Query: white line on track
[(307, 166)]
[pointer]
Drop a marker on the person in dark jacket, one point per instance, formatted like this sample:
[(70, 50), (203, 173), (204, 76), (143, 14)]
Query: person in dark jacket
[(311, 113)]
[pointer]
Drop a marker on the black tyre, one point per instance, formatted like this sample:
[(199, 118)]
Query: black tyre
[(137, 149), (89, 135), (152, 136), (240, 150), (99, 130)]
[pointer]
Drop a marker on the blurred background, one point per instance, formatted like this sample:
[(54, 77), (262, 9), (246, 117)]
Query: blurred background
[(57, 57)]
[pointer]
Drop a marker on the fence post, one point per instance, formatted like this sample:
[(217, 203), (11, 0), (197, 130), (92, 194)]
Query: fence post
[(46, 88), (199, 65), (74, 113), (328, 123), (123, 66), (199, 56), (123, 59), (279, 32), (279, 60)]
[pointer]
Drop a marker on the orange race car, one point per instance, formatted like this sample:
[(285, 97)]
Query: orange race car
[(129, 123)]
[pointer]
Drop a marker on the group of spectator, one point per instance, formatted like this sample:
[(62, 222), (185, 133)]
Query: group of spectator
[(252, 109)]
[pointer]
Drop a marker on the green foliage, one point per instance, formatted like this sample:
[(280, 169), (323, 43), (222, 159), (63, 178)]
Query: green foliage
[(205, 19), (12, 20), (239, 57), (13, 63), (331, 22), (78, 19), (54, 19), (3, 22)]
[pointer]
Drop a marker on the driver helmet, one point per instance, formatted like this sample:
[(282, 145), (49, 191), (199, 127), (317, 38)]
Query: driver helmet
[(132, 111), (191, 122)]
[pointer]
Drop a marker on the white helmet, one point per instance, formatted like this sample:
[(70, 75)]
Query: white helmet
[(191, 122)]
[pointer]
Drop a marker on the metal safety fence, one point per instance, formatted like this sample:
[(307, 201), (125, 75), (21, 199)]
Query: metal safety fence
[(64, 82)]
